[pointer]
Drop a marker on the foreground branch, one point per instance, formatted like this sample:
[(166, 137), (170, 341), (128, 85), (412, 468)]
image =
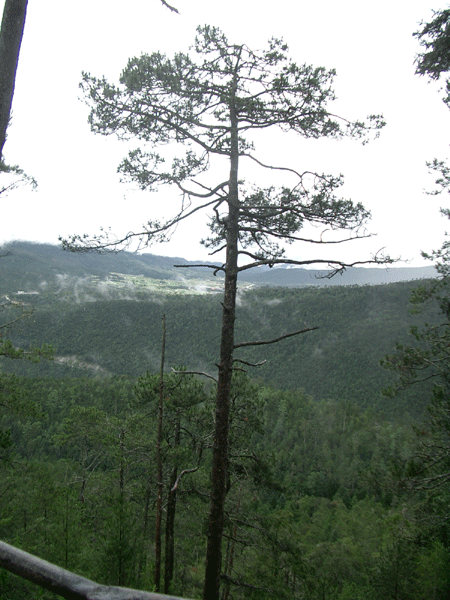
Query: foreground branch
[(64, 583)]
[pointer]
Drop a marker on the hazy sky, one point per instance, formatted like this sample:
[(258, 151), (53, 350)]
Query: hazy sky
[(370, 45)]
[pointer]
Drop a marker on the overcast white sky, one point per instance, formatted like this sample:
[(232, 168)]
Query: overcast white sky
[(370, 45)]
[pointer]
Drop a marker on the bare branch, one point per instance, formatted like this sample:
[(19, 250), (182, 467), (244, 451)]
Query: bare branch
[(194, 373), (337, 266), (294, 238), (184, 472), (281, 337), (205, 266), (210, 192), (249, 364), (287, 169), (101, 243)]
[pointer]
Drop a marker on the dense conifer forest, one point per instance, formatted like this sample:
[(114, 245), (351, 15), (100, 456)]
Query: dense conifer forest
[(315, 505), (108, 323)]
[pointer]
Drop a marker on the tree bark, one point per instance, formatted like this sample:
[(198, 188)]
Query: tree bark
[(169, 558), (159, 469), (220, 447), (141, 560), (230, 556), (121, 574), (11, 34)]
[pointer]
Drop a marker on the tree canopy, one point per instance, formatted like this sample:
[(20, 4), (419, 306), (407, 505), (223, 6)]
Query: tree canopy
[(434, 37), (211, 103), (427, 358)]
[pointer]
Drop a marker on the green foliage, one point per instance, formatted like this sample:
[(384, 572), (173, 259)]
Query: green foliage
[(428, 362), (434, 37), (306, 513), (210, 101), (11, 313), (12, 177)]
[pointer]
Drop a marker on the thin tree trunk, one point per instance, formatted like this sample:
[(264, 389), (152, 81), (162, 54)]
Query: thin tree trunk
[(169, 558), (220, 447), (230, 554), (121, 578), (159, 473), (66, 532), (142, 558), (11, 34)]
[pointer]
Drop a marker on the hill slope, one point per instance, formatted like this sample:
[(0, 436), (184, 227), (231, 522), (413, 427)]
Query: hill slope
[(34, 267), (103, 316)]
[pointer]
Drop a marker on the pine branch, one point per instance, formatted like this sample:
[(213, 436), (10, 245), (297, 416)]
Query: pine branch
[(172, 8), (194, 373), (249, 364)]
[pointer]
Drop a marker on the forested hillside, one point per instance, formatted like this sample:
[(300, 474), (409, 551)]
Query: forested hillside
[(34, 267), (311, 511), (109, 323), (312, 508)]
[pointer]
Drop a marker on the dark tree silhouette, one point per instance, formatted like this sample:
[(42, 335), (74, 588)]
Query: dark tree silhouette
[(434, 37), (11, 34)]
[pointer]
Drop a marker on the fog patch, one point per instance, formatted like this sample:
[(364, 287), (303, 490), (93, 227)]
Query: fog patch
[(92, 289), (273, 302), (245, 300), (317, 352), (153, 360), (73, 361)]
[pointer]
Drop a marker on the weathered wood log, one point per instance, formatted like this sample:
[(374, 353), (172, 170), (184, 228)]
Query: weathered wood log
[(63, 582)]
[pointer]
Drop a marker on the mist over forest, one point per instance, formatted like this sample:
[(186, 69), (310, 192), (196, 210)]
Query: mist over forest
[(100, 319)]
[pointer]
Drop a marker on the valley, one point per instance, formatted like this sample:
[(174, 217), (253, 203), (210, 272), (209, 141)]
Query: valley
[(315, 506)]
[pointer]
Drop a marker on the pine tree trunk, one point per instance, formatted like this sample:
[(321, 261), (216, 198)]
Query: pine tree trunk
[(169, 557), (159, 474), (220, 447), (142, 557)]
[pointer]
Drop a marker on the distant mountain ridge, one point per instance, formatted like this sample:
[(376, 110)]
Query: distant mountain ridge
[(297, 277), (25, 265)]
